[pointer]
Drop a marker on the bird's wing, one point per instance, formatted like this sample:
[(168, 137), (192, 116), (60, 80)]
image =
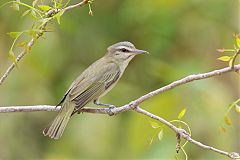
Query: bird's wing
[(100, 82), (82, 82)]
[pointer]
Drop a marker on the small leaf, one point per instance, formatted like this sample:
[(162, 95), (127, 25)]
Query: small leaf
[(230, 62), (21, 44), (12, 57), (154, 125), (237, 108), (227, 120), (160, 135), (224, 58), (58, 16), (14, 34), (44, 7), (234, 46), (182, 113), (58, 19), (34, 2), (26, 12), (237, 38)]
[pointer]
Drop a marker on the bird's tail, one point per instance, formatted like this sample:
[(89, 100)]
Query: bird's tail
[(56, 128)]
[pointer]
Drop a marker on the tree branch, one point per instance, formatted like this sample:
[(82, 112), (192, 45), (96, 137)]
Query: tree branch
[(50, 13), (183, 134), (134, 106)]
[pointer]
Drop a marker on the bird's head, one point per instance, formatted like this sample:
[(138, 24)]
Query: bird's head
[(123, 51)]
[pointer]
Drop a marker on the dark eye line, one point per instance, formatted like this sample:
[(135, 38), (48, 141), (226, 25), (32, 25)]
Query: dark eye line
[(124, 50)]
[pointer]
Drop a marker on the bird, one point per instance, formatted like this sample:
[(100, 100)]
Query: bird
[(93, 83)]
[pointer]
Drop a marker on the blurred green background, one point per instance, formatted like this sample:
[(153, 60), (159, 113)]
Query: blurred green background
[(182, 37)]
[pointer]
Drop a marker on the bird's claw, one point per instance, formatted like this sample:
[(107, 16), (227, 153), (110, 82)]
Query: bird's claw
[(109, 111)]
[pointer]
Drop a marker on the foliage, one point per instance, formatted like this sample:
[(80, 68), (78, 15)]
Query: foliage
[(160, 128), (41, 15), (235, 50)]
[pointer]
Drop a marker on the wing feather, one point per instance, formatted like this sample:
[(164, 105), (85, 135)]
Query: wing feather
[(101, 81)]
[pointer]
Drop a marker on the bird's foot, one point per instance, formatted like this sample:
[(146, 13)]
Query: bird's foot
[(110, 108)]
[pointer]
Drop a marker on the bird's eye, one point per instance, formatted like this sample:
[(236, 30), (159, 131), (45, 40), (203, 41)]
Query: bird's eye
[(124, 50)]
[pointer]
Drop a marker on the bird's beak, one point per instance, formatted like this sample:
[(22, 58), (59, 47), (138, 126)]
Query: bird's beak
[(138, 51)]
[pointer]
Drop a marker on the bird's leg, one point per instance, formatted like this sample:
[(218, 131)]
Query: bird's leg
[(103, 104), (110, 106)]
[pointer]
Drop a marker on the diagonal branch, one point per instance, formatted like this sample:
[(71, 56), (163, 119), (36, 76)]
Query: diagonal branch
[(50, 13), (182, 81), (183, 134)]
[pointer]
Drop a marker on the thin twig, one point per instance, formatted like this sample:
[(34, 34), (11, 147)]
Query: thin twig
[(183, 134), (234, 58), (76, 5), (50, 13)]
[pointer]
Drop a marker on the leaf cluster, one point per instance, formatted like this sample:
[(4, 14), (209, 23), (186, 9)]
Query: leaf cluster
[(160, 129), (41, 13), (235, 50)]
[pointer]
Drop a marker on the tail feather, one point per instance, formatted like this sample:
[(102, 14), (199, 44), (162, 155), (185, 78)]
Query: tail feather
[(56, 128)]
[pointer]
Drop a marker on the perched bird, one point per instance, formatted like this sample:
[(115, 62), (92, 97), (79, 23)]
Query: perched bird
[(93, 83)]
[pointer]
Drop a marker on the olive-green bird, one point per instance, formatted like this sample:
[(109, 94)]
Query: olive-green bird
[(93, 83)]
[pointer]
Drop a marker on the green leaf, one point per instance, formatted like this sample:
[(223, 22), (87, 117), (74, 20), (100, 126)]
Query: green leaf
[(182, 113), (237, 38), (160, 135), (26, 12), (12, 57), (154, 125), (234, 46), (58, 16), (227, 120), (44, 7), (230, 62), (224, 58), (237, 108), (14, 34)]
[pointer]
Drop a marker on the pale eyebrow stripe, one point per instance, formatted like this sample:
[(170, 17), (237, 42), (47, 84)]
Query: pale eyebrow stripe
[(127, 48)]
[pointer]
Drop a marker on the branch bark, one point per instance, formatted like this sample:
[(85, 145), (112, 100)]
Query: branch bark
[(133, 106), (50, 13)]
